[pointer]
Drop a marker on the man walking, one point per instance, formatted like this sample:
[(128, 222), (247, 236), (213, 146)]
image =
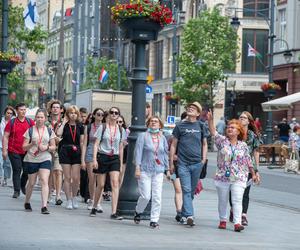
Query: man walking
[(190, 140), (12, 147)]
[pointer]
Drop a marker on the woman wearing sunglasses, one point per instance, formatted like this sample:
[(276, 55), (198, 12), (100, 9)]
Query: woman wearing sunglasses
[(87, 152), (233, 166), (253, 143), (107, 158), (151, 159)]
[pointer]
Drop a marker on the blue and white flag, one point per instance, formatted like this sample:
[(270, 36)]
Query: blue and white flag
[(30, 15)]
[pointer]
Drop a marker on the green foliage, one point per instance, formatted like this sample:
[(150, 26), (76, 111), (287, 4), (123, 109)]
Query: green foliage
[(21, 39), (93, 69), (209, 49)]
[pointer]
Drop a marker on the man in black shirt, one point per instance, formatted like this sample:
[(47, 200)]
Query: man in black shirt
[(284, 129)]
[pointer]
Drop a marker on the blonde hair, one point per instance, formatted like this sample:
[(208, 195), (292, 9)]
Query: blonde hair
[(73, 108)]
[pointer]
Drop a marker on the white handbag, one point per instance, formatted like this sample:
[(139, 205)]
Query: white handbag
[(292, 164)]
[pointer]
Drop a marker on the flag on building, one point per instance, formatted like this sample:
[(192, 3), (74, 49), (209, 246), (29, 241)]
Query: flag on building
[(30, 15), (103, 75), (253, 52)]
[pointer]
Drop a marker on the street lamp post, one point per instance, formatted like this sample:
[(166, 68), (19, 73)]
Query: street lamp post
[(3, 85), (270, 21)]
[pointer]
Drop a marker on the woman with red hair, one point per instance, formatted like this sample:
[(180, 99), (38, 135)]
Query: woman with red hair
[(233, 167)]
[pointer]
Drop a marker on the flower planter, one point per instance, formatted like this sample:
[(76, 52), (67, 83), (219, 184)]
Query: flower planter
[(140, 29), (270, 93), (6, 66)]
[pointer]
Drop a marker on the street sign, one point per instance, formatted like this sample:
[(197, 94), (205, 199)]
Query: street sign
[(148, 89), (171, 119)]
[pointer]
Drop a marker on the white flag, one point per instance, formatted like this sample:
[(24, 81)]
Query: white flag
[(30, 15)]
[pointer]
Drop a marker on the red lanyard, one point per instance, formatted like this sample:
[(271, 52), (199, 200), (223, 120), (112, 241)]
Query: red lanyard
[(112, 137), (54, 123), (73, 135), (157, 145), (40, 137)]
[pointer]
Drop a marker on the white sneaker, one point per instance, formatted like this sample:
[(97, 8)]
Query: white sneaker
[(75, 203), (99, 209), (90, 204), (69, 205)]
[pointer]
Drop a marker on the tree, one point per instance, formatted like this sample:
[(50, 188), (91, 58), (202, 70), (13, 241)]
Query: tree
[(20, 41), (209, 49), (93, 70)]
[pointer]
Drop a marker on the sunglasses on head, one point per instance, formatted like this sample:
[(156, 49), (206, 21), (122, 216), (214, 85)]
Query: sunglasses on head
[(114, 112)]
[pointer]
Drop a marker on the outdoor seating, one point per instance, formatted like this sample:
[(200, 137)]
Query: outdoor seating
[(274, 154)]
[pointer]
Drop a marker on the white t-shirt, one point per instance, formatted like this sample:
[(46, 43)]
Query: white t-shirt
[(110, 143), (41, 156)]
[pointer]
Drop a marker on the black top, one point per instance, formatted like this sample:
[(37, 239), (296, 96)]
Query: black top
[(284, 129), (67, 137)]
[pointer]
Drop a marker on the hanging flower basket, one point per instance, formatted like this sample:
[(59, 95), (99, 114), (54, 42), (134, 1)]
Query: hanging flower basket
[(173, 99), (141, 19), (8, 61), (270, 89)]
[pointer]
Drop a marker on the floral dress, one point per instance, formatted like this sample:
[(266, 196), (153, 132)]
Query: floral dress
[(234, 161)]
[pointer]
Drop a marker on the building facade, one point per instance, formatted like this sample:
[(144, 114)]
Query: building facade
[(287, 73)]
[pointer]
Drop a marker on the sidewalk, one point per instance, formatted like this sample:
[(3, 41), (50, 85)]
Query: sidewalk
[(270, 227)]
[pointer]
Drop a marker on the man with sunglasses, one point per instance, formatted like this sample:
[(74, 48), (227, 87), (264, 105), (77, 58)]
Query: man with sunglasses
[(190, 140)]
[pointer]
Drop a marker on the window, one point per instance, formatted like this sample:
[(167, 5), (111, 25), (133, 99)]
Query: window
[(159, 60), (258, 39), (256, 8), (282, 27), (157, 104)]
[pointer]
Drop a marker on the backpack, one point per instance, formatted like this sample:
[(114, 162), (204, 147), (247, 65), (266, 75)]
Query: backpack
[(30, 131), (12, 121)]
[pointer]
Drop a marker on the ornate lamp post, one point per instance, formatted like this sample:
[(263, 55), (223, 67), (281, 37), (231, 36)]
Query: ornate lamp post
[(140, 29), (287, 54)]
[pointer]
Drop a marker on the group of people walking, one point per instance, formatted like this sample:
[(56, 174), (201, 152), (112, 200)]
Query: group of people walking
[(58, 145)]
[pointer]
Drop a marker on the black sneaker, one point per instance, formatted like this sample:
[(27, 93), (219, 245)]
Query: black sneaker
[(137, 218), (178, 216), (106, 197), (93, 212), (154, 224), (44, 210), (16, 194), (58, 202), (116, 217), (27, 207)]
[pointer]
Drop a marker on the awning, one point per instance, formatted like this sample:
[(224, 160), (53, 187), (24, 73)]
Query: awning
[(282, 103)]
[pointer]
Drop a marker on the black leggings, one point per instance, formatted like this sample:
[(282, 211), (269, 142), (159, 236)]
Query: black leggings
[(18, 167), (245, 197)]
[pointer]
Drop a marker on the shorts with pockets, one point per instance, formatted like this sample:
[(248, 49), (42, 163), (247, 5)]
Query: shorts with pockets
[(107, 163), (34, 167)]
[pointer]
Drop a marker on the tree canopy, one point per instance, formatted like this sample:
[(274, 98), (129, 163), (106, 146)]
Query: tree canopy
[(209, 50), (93, 70)]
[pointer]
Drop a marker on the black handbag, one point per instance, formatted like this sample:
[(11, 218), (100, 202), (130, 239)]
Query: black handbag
[(204, 170)]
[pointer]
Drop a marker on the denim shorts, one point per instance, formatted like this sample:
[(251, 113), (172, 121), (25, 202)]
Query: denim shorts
[(35, 167)]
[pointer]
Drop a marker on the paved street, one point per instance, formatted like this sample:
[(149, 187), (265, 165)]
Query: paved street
[(274, 218)]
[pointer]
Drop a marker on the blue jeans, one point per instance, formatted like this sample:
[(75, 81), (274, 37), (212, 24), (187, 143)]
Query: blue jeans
[(5, 167), (189, 176)]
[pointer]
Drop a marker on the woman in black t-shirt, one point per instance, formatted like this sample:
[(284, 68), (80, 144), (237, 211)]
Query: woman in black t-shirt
[(71, 132)]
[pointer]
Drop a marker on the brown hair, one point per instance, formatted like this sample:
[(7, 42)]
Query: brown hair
[(9, 108), (251, 125), (242, 135), (161, 124), (51, 103), (73, 108)]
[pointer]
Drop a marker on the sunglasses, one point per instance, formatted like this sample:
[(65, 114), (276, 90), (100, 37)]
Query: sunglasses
[(154, 121), (99, 114), (120, 122), (243, 117), (114, 112), (9, 113)]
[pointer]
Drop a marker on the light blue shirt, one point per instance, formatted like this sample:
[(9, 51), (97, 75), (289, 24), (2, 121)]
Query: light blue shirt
[(145, 155)]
